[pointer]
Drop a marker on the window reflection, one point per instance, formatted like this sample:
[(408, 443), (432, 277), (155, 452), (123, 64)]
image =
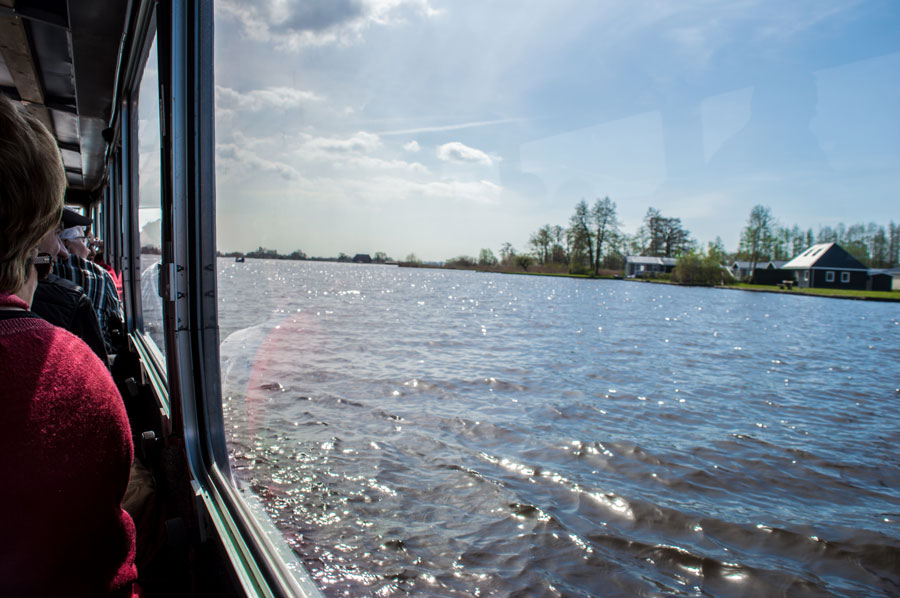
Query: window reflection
[(150, 202)]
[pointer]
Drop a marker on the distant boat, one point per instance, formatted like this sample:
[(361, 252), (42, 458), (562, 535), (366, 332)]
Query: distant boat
[(239, 259)]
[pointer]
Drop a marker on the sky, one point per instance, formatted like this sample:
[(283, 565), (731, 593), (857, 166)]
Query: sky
[(438, 128)]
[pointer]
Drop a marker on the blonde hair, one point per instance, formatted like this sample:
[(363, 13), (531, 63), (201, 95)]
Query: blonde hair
[(32, 186)]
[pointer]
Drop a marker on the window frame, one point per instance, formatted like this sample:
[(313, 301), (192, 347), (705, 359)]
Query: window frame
[(829, 276), (186, 380), (185, 39), (845, 277)]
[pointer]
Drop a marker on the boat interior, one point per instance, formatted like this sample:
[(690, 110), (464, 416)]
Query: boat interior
[(77, 66)]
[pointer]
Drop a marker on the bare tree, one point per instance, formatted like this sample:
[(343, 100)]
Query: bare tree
[(541, 241), (603, 217), (757, 236), (581, 240)]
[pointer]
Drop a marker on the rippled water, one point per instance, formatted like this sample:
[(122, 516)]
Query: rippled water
[(440, 433)]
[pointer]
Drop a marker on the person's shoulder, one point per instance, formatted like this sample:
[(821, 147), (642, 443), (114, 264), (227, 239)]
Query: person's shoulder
[(71, 358), (58, 288), (64, 283)]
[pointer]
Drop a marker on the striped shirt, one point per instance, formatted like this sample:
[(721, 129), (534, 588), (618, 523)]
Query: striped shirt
[(100, 288)]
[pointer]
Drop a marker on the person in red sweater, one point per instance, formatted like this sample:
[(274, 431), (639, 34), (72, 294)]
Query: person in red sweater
[(65, 448)]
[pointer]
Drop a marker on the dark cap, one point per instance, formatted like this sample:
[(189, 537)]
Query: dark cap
[(72, 218)]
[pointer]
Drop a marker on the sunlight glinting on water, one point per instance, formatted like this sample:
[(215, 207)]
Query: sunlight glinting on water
[(420, 433)]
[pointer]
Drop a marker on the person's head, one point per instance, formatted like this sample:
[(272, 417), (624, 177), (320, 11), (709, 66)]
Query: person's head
[(51, 244), (75, 242), (32, 184), (98, 250)]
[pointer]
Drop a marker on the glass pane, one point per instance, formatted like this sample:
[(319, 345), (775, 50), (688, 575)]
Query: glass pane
[(150, 206), (418, 421)]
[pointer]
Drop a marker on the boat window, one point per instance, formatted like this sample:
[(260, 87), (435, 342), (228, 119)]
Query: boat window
[(150, 204), (395, 418)]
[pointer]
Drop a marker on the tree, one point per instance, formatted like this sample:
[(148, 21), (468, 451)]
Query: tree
[(615, 253), (756, 238), (461, 261), (651, 236), (523, 261), (581, 241), (662, 236), (798, 241), (826, 235), (716, 250), (559, 251), (893, 245), (878, 246), (541, 241), (696, 269), (413, 259), (486, 258), (380, 257), (606, 225), (507, 255)]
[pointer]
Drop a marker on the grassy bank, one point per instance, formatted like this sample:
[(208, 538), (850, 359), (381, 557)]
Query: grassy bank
[(740, 286), (834, 293)]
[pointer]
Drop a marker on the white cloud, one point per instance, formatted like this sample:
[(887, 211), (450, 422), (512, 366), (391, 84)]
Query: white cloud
[(232, 159), (377, 164), (262, 99), (294, 24), (413, 146), (459, 152), (383, 188), (361, 142)]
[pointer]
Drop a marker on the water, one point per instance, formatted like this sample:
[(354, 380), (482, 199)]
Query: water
[(440, 433)]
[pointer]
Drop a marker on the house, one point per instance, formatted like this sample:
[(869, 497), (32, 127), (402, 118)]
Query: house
[(765, 272), (362, 258), (642, 266), (828, 266), (740, 269), (884, 279)]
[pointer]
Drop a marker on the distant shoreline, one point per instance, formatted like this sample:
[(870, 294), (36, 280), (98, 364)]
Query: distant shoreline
[(882, 296)]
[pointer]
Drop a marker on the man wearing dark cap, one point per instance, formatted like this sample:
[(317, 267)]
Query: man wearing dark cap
[(62, 302), (96, 282)]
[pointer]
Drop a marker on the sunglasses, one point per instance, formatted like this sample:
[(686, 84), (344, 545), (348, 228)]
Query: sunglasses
[(43, 265)]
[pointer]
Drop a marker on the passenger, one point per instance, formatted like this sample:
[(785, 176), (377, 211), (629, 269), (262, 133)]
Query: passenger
[(62, 302), (66, 445), (100, 260), (97, 283)]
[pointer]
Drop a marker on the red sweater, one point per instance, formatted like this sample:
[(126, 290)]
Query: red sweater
[(65, 456)]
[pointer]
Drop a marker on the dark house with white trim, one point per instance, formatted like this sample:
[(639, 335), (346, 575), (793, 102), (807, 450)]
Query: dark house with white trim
[(828, 266)]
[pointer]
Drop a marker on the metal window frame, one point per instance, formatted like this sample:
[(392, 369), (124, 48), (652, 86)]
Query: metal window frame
[(186, 380), (265, 566)]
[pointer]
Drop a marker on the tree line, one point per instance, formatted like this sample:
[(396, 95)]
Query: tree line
[(763, 239), (594, 242)]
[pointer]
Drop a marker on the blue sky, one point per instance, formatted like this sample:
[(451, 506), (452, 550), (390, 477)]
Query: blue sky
[(439, 128)]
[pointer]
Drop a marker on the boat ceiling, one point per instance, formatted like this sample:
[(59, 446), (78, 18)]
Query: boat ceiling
[(59, 59)]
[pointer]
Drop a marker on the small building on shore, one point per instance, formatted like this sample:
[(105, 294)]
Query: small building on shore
[(884, 279), (764, 272), (827, 266), (644, 266)]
